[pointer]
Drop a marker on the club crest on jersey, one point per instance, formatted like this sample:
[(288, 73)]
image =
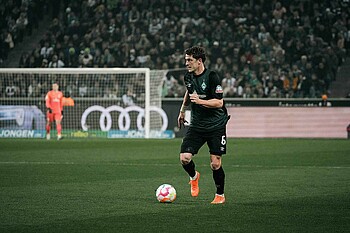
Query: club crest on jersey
[(218, 89), (203, 85)]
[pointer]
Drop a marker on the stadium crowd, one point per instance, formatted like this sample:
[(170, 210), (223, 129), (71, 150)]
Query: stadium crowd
[(18, 19), (263, 49)]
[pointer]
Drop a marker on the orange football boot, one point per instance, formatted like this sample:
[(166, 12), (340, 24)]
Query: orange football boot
[(194, 185), (219, 199)]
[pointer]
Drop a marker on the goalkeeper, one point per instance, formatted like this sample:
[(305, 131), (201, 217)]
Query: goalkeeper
[(208, 121), (54, 110)]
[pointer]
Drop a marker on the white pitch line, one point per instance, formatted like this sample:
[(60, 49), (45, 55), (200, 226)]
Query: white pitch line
[(159, 164)]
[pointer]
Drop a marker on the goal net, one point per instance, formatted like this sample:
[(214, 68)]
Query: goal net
[(101, 102)]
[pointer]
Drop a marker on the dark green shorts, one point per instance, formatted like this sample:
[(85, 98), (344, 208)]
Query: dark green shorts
[(194, 140)]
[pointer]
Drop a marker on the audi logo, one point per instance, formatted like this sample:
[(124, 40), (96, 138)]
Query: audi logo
[(124, 120)]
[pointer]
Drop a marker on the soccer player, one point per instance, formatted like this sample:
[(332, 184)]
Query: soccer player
[(54, 112), (208, 121)]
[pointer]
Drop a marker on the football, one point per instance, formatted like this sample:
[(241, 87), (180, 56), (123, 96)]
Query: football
[(166, 193)]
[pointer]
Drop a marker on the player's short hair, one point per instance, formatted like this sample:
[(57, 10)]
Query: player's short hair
[(196, 52)]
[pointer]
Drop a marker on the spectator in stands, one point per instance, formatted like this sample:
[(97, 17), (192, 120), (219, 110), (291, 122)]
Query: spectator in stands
[(83, 89), (47, 50), (23, 61), (229, 85), (45, 63), (12, 89), (169, 84), (278, 13), (56, 62), (97, 90), (70, 57), (131, 61), (142, 58), (71, 88), (112, 92), (154, 27), (86, 59), (107, 58), (134, 16), (9, 43), (129, 98), (31, 63), (220, 66), (21, 25), (143, 43), (325, 102)]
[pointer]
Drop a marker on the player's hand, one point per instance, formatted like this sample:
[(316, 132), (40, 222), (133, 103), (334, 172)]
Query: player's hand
[(194, 98), (181, 120), (49, 110)]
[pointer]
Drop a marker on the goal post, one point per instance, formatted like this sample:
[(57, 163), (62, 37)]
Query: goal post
[(108, 102)]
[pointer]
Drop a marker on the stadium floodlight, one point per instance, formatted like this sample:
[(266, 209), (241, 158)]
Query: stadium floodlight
[(119, 102)]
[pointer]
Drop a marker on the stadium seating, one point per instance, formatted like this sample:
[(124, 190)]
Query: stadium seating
[(265, 50)]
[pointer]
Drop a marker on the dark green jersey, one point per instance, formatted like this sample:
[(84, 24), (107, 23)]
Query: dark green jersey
[(208, 86)]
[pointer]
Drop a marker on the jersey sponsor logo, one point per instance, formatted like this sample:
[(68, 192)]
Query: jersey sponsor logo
[(124, 120), (218, 89)]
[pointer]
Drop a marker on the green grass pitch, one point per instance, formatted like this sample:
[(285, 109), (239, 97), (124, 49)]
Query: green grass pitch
[(272, 185)]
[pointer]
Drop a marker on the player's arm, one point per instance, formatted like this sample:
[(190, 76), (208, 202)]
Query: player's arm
[(181, 118), (216, 92), (186, 102), (189, 90), (48, 102), (211, 103)]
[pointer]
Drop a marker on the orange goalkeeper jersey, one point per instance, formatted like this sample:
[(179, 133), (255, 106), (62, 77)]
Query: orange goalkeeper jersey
[(54, 101)]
